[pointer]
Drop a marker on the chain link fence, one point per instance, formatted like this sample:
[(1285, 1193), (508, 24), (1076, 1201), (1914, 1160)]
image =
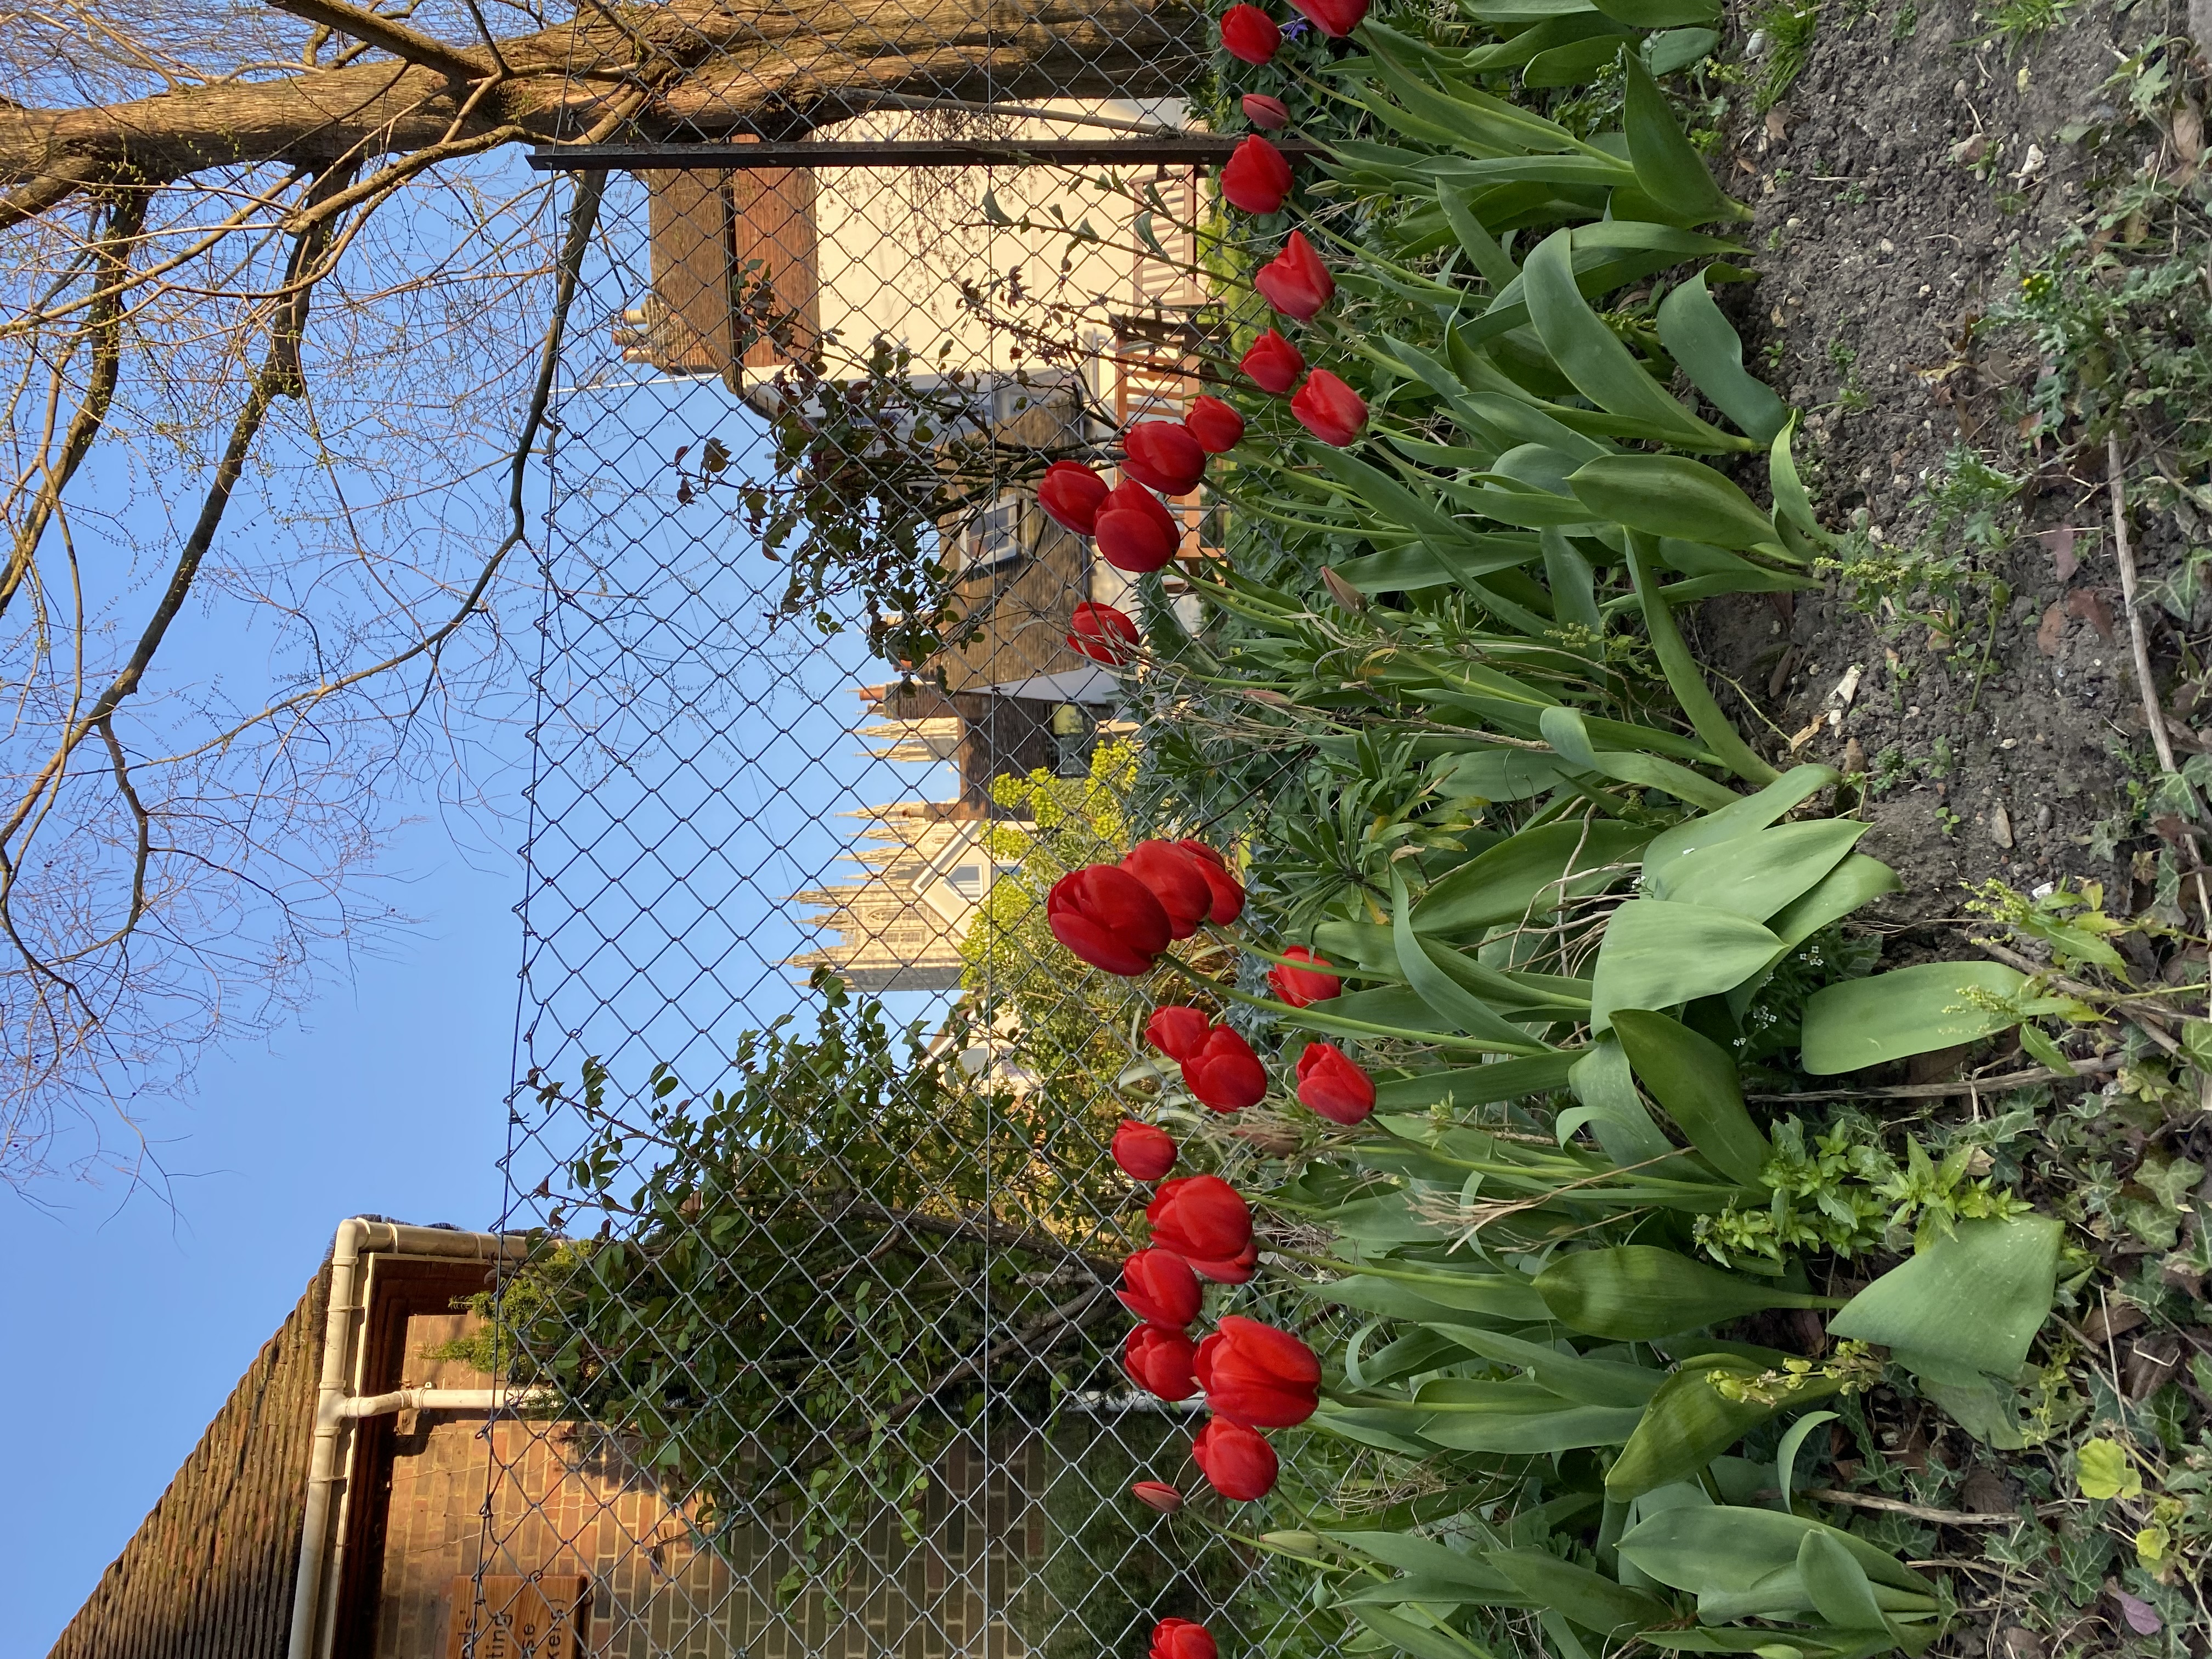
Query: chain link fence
[(812, 1134)]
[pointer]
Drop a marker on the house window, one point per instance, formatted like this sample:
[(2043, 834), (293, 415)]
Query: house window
[(968, 878), (993, 537)]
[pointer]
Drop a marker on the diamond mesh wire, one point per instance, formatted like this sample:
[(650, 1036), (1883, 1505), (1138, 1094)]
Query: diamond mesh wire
[(821, 1318)]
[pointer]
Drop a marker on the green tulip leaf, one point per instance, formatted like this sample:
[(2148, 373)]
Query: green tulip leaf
[(1433, 1639), (1710, 353), (1970, 1302), (1532, 1434), (1687, 1424), (1661, 14), (1634, 1292), (1858, 880), (1793, 1441), (1907, 1010), (1756, 875), (1475, 1085), (1570, 65), (1459, 1008), (1841, 1594), (1726, 1548), (1671, 495), (1695, 1081), (1587, 1598), (1677, 49), (1743, 818), (1424, 1559), (1611, 1108), (1660, 955), (1573, 1377), (1530, 874), (1592, 357), (1668, 169), (1570, 735)]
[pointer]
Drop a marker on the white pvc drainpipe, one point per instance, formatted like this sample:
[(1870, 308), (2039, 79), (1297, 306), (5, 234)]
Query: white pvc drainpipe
[(314, 1623)]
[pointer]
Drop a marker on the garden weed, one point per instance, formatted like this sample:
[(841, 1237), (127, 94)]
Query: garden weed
[(2016, 22), (1790, 31)]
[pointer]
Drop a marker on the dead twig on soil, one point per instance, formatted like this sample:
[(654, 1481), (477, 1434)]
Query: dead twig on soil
[(2082, 1068)]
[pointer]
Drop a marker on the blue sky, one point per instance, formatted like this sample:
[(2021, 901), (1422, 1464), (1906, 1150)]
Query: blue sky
[(699, 765)]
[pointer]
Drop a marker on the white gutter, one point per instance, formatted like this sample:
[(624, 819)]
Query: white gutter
[(313, 1622)]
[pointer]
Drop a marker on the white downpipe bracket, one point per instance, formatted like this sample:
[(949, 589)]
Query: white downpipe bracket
[(314, 1612)]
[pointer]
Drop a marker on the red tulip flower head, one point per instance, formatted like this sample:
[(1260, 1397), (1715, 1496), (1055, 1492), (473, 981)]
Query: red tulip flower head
[(1108, 917), (1215, 425), (1257, 1375), (1070, 493), (1256, 177), (1103, 633), (1337, 18), (1228, 894), (1225, 1073), (1329, 1083), (1328, 409), (1177, 1032), (1272, 363), (1295, 281), (1300, 987), (1144, 1151), (1160, 1361), (1176, 882), (1237, 1461), (1203, 1220), (1135, 532), (1164, 454), (1179, 1639), (1266, 114), (1159, 1288), (1157, 1495), (1249, 34)]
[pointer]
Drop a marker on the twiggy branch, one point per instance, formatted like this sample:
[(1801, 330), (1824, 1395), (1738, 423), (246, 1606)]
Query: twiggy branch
[(583, 220), (2138, 643), (104, 326), (1967, 1085), (388, 35), (1860, 1500), (2148, 1018)]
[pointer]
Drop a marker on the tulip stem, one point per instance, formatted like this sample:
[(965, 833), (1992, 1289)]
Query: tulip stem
[(1348, 1026)]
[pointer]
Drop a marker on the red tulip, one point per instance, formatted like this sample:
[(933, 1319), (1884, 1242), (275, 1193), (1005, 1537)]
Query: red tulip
[(1155, 1495), (1159, 1288), (1225, 1073), (1103, 634), (1177, 1032), (1228, 894), (1179, 1639), (1256, 177), (1328, 409), (1215, 425), (1145, 1152), (1334, 17), (1135, 532), (1295, 281), (1300, 987), (1176, 882), (1203, 1220), (1070, 492), (1108, 918), (1257, 1375), (1268, 114), (1329, 1083), (1249, 34), (1160, 1361), (1237, 1461), (1164, 454), (1272, 363)]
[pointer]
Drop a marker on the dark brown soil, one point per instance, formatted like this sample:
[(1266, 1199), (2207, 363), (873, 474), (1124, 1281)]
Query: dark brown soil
[(1878, 242)]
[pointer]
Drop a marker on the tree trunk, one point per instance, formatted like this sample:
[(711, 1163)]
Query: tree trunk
[(701, 69)]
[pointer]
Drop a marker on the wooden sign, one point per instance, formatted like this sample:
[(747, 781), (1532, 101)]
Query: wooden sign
[(508, 1616)]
